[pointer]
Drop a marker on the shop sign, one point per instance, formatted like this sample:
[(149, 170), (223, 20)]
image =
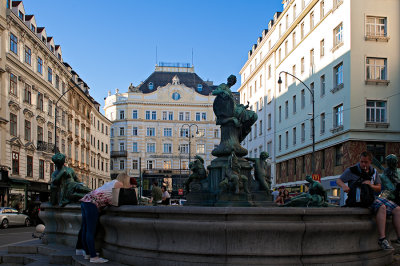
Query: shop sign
[(180, 191), (316, 177)]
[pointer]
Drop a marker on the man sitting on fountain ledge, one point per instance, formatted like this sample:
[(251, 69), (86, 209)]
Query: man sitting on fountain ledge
[(367, 174)]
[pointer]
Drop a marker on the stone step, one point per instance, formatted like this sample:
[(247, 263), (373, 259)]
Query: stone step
[(80, 261), (16, 259)]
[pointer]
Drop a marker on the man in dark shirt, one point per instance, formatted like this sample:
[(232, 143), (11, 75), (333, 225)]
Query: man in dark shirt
[(380, 206), (156, 194)]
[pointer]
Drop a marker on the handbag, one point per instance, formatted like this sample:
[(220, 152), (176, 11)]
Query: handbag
[(123, 196)]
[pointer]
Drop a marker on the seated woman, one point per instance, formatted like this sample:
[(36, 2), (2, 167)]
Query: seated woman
[(166, 198)]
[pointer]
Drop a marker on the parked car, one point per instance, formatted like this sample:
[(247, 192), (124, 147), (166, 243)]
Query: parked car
[(10, 216)]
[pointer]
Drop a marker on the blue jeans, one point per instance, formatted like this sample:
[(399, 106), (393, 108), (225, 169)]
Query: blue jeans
[(90, 215)]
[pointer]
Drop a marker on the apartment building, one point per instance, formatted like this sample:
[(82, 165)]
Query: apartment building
[(346, 53), (159, 125), (43, 102)]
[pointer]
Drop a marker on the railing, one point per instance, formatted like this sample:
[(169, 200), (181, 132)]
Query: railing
[(119, 154), (44, 146)]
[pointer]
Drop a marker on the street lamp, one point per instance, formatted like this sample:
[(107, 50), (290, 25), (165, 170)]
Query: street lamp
[(55, 118), (190, 134), (312, 123)]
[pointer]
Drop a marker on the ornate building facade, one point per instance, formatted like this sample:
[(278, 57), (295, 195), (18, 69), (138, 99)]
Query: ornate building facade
[(43, 103), (161, 124)]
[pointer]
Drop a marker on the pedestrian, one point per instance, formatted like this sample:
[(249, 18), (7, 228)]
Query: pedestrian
[(380, 206), (166, 198), (156, 194), (91, 204)]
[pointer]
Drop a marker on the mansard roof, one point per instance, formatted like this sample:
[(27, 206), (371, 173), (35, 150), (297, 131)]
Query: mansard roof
[(16, 3), (161, 78)]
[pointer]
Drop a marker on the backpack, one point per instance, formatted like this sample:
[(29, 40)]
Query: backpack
[(367, 194)]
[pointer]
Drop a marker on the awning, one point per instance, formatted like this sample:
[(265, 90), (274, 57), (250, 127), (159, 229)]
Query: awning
[(19, 180)]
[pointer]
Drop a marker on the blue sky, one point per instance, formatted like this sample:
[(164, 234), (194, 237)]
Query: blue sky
[(111, 44)]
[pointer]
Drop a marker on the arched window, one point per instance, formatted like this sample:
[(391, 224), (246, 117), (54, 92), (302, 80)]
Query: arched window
[(199, 87), (151, 86)]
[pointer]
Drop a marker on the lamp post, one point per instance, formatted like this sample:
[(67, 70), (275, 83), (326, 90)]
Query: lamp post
[(190, 134), (55, 118), (312, 123)]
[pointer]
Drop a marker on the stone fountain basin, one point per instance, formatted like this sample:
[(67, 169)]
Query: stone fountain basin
[(188, 235)]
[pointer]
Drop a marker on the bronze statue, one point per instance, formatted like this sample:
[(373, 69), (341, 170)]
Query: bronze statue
[(65, 186), (234, 180), (261, 171), (235, 120), (391, 179), (198, 171), (316, 196)]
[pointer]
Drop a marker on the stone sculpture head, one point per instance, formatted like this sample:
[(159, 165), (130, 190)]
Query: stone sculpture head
[(197, 157), (309, 179), (58, 159), (264, 155), (231, 80), (392, 161)]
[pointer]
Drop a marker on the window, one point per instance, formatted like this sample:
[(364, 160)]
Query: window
[(151, 86), (322, 123), (294, 39), (312, 20), (13, 124), (294, 104), (201, 149), (255, 131), (261, 130), (40, 101), (286, 139), (167, 148), (294, 12), (322, 9), (49, 74), (302, 65), (13, 43), (280, 30), (28, 94), (164, 115), (170, 116), (111, 134), (294, 73), (203, 116), (134, 131), (41, 169), (287, 21), (201, 132), (199, 87), (57, 82), (269, 72), (280, 142), (121, 114), (27, 130), (338, 155), (39, 133), (302, 31), (378, 150), (303, 99), (150, 164), (322, 48), (197, 116), (269, 147), (147, 115), (40, 65), (167, 132), (280, 113), (50, 107), (187, 116), (311, 94), (28, 55), (122, 131), (269, 121), (180, 116), (151, 131), (15, 163), (13, 84), (261, 81), (338, 70), (153, 115), (122, 146), (184, 132), (303, 132), (184, 148), (135, 164), (322, 89), (294, 136), (375, 68), (33, 28), (338, 115), (376, 111), (286, 48), (29, 166), (312, 60), (286, 81), (134, 114), (279, 55), (338, 35), (121, 165), (376, 26), (216, 133), (286, 109)]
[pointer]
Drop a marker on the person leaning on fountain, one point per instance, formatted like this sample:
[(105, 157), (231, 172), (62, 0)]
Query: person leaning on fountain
[(91, 204), (380, 206)]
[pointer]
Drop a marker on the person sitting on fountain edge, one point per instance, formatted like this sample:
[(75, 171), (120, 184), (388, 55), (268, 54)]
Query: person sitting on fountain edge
[(381, 207)]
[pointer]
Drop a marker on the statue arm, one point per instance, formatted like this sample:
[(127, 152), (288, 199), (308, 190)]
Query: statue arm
[(58, 177)]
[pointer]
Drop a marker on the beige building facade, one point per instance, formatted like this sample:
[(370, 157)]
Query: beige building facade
[(347, 53), (153, 121), (34, 80)]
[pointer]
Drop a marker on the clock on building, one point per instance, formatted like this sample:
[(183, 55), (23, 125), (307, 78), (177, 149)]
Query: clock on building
[(176, 96)]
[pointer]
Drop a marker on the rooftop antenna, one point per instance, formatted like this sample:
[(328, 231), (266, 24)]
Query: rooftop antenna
[(156, 55), (192, 57)]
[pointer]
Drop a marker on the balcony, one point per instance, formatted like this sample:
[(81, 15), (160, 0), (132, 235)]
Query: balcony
[(119, 154), (44, 146)]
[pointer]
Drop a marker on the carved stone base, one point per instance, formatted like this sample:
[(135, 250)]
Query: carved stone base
[(234, 200), (262, 199)]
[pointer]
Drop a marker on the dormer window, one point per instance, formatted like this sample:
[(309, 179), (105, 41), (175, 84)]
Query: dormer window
[(59, 56), (43, 39), (33, 28), (21, 15), (199, 87), (52, 48), (151, 86)]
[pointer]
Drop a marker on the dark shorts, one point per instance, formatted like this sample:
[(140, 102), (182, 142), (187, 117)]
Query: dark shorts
[(390, 205)]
